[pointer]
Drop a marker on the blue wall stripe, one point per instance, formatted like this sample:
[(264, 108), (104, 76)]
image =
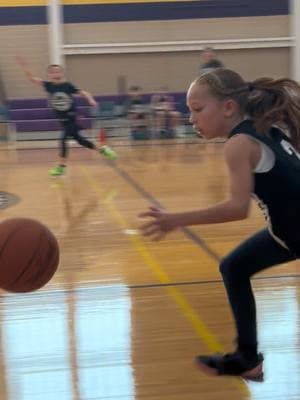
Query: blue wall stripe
[(32, 15), (147, 11), (177, 10)]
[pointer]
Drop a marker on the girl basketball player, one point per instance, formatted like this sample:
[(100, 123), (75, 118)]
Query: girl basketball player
[(61, 98), (260, 121)]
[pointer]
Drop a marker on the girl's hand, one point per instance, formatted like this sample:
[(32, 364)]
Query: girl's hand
[(161, 223)]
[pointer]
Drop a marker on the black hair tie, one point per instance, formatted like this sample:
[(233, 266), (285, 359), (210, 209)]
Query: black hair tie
[(251, 87)]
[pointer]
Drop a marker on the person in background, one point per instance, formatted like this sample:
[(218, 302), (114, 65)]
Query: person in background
[(210, 60), (138, 115), (167, 120), (61, 98)]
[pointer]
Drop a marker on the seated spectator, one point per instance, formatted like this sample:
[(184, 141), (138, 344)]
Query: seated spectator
[(137, 111), (167, 120)]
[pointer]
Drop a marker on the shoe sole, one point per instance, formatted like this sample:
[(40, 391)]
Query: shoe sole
[(109, 156), (256, 374), (55, 175)]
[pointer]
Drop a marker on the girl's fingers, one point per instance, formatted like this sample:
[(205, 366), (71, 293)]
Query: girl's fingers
[(150, 230), (147, 225), (154, 208), (152, 212), (147, 214)]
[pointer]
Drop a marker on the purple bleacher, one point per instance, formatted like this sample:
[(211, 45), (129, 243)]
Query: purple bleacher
[(31, 114), (37, 125), (41, 113), (180, 102), (46, 125), (118, 99), (14, 104), (43, 102), (34, 115), (27, 103)]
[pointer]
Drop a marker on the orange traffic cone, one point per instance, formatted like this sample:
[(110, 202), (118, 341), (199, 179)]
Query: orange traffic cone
[(102, 136)]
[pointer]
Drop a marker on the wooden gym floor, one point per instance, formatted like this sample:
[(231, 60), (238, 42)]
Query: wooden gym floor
[(124, 317)]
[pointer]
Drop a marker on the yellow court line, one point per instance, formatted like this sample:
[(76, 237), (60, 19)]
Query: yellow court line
[(190, 314)]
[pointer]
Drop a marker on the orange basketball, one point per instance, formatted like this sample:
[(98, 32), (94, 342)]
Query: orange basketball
[(29, 255)]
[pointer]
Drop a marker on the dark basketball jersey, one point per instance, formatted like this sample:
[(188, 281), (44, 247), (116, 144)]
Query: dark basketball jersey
[(278, 190), (61, 98)]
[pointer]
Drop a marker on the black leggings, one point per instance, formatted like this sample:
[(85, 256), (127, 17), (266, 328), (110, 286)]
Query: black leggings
[(257, 253), (72, 129)]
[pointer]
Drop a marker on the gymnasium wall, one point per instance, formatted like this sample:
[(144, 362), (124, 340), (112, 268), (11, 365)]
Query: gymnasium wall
[(23, 30)]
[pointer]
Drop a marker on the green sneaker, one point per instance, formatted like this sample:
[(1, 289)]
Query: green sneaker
[(58, 170), (108, 152)]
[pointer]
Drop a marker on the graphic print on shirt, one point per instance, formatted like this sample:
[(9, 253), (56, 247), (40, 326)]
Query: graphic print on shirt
[(265, 211), (264, 208), (61, 101)]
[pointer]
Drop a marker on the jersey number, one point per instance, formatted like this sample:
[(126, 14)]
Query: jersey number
[(289, 148)]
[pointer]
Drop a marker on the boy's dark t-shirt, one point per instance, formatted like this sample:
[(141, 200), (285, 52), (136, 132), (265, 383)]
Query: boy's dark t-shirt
[(61, 98)]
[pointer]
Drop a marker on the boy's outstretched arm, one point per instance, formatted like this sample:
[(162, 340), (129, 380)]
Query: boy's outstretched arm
[(90, 99), (25, 68)]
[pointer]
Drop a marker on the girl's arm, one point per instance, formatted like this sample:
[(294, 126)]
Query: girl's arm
[(241, 156)]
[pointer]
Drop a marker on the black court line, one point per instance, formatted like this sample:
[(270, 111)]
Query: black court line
[(208, 282), (191, 235)]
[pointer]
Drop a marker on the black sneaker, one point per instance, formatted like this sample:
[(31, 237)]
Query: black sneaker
[(232, 364)]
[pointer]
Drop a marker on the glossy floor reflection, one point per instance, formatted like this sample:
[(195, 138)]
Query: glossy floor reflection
[(117, 343), (68, 345), (123, 317)]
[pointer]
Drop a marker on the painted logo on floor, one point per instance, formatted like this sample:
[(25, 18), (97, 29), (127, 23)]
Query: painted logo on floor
[(7, 200)]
